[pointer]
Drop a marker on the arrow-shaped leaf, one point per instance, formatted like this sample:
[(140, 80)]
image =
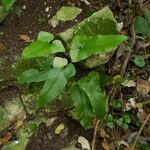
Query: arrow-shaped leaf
[(90, 85)]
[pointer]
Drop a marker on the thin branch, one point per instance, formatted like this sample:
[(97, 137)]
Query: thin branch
[(129, 53), (140, 131)]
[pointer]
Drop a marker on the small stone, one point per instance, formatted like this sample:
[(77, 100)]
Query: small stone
[(47, 9), (49, 136), (48, 15), (24, 7)]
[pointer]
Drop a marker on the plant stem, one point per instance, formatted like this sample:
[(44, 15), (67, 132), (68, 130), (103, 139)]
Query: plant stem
[(94, 135), (140, 131)]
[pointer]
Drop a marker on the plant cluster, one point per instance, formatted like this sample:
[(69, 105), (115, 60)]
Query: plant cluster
[(87, 93)]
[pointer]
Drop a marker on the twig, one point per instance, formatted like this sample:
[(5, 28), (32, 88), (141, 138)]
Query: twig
[(107, 100), (94, 135), (140, 131), (21, 100), (129, 53)]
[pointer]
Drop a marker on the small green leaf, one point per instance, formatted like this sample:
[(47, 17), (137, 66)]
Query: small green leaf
[(110, 124), (90, 85), (116, 104), (142, 24), (39, 48), (59, 62), (83, 47), (125, 125), (119, 121), (83, 109), (55, 84), (7, 4), (110, 118), (139, 61), (126, 118), (45, 36)]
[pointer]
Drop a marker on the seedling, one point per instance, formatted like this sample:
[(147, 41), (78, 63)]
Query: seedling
[(122, 121)]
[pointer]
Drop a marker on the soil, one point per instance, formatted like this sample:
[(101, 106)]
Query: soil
[(28, 23), (46, 139)]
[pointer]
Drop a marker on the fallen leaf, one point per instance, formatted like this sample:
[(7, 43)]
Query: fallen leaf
[(129, 83), (143, 86), (84, 143), (18, 124), (2, 47), (130, 104), (6, 138), (105, 144), (86, 2), (65, 14), (49, 121), (59, 128), (102, 133), (25, 37), (130, 148), (123, 143), (142, 115)]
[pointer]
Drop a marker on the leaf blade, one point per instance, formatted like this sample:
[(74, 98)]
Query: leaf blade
[(83, 47), (90, 85)]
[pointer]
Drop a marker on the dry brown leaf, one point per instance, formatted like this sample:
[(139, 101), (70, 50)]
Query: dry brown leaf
[(2, 47), (130, 148), (25, 37), (18, 124), (143, 86), (6, 138), (142, 115), (102, 133), (105, 144)]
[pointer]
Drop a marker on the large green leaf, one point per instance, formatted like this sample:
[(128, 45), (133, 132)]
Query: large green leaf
[(83, 109), (101, 22), (7, 4), (83, 47), (90, 85), (33, 75), (55, 84), (39, 48)]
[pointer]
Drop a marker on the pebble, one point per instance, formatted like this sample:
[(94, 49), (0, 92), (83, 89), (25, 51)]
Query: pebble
[(49, 136), (47, 9), (24, 7), (48, 15)]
